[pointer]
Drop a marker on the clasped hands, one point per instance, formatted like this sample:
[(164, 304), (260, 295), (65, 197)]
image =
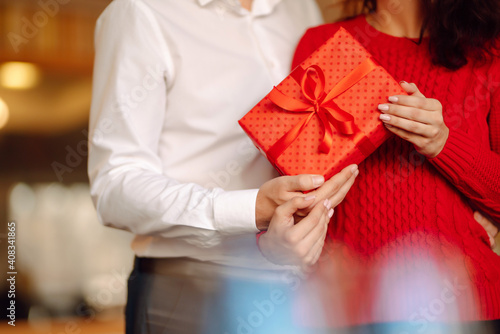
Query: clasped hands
[(297, 223)]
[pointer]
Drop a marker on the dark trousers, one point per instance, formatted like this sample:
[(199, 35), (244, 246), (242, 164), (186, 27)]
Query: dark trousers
[(188, 296), (191, 297)]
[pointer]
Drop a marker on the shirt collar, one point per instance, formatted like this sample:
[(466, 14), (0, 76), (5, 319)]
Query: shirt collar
[(264, 7), (259, 7)]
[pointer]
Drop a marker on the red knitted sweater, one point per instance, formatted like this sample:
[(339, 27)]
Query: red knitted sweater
[(404, 243)]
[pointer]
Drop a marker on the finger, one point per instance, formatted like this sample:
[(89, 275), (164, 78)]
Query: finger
[(303, 182), (410, 113), (341, 194), (333, 185), (492, 242), (307, 225), (318, 249), (317, 244), (311, 259), (318, 232), (414, 127), (411, 137), (411, 89), (417, 102), (313, 245), (319, 252), (488, 225), (283, 215)]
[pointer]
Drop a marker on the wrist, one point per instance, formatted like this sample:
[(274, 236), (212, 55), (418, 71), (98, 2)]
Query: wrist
[(262, 240), (446, 133), (261, 221)]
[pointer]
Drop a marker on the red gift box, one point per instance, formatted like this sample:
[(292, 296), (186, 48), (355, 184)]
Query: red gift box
[(323, 116)]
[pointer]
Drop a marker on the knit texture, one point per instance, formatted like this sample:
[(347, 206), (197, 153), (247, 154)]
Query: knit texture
[(404, 237)]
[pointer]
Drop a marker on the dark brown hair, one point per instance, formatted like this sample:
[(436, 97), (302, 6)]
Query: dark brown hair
[(458, 30)]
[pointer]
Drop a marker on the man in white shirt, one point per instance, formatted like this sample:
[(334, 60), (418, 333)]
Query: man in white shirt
[(168, 161)]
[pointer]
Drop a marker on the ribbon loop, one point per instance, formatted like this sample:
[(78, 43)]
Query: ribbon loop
[(313, 84)]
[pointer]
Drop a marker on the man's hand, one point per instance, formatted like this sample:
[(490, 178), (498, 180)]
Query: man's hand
[(282, 189), (488, 226), (287, 243)]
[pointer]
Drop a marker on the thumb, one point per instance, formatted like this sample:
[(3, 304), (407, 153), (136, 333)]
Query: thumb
[(492, 242), (411, 89), (283, 215), (303, 182), (488, 225)]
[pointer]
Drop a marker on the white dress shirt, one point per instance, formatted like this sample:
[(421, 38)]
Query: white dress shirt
[(167, 158)]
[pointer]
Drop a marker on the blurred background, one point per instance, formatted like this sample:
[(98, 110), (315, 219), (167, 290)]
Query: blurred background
[(71, 271)]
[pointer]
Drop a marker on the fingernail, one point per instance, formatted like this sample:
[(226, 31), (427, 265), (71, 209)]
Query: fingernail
[(354, 168), (357, 173), (330, 213), (388, 125), (327, 203), (309, 198), (385, 117), (393, 99), (402, 82), (383, 107), (318, 180)]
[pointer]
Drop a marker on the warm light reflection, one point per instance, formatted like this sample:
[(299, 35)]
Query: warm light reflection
[(4, 113), (19, 75)]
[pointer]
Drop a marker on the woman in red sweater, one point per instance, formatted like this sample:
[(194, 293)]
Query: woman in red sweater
[(404, 245)]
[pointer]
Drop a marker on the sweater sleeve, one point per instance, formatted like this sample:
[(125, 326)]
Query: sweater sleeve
[(472, 167)]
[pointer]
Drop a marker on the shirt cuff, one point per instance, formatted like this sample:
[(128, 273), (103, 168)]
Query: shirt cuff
[(457, 156), (234, 212)]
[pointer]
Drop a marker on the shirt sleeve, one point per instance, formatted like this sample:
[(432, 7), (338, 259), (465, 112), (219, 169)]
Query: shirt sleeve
[(472, 167), (133, 72)]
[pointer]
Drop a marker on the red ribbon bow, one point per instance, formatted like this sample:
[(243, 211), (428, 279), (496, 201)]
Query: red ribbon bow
[(320, 103)]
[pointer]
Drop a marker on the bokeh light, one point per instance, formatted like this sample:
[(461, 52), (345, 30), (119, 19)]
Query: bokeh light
[(19, 75)]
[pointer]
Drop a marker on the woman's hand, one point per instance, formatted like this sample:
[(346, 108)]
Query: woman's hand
[(288, 242), (416, 119), (488, 226)]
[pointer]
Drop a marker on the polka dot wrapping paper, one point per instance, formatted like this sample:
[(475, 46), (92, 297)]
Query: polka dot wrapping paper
[(336, 91)]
